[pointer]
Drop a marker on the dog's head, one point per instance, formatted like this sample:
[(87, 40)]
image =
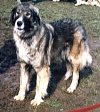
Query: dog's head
[(24, 17)]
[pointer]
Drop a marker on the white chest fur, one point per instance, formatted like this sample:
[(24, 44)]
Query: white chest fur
[(27, 53), (23, 49)]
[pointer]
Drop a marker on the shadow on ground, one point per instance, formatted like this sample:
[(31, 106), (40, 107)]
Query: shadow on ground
[(7, 56)]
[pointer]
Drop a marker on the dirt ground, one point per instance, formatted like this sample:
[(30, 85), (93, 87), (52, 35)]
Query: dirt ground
[(88, 90)]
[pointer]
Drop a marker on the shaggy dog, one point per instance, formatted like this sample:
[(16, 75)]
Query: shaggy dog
[(88, 2), (40, 44), (85, 2)]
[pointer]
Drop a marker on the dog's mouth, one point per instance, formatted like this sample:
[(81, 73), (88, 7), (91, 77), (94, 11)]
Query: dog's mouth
[(21, 29), (18, 30)]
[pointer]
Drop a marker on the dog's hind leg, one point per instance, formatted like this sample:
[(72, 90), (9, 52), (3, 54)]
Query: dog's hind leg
[(43, 77), (75, 59), (24, 82)]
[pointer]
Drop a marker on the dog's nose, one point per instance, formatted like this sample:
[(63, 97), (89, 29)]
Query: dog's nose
[(19, 23)]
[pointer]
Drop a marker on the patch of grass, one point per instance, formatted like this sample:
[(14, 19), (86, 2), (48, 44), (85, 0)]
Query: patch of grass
[(54, 103)]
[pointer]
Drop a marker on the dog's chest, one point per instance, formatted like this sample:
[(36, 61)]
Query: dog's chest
[(24, 52), (29, 54)]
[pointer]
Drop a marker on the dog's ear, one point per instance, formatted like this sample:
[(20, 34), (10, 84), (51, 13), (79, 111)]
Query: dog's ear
[(12, 16), (35, 14)]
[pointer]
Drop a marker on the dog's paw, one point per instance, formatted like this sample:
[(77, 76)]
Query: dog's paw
[(67, 76), (71, 89), (77, 4), (18, 97), (56, 0), (36, 102)]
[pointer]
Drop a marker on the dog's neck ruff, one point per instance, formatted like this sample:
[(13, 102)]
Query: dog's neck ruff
[(26, 35)]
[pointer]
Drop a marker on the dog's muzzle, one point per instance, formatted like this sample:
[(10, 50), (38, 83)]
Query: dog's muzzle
[(19, 24)]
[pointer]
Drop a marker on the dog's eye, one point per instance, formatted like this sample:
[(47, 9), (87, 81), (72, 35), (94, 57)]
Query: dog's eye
[(28, 15), (17, 13)]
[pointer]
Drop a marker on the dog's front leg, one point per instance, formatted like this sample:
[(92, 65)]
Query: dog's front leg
[(75, 78), (43, 77), (24, 79)]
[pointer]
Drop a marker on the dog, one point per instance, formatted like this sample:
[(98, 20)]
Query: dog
[(88, 2), (39, 44)]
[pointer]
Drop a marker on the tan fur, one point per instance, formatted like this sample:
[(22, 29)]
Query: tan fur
[(78, 58), (74, 57), (75, 50)]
